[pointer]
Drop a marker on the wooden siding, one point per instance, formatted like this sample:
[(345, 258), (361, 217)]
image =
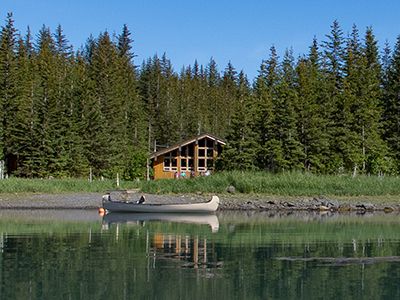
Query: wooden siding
[(204, 143)]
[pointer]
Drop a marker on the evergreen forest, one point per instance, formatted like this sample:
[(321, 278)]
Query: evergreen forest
[(332, 110)]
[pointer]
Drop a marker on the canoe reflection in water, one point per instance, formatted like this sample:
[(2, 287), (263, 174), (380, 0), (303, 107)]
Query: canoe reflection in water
[(138, 218)]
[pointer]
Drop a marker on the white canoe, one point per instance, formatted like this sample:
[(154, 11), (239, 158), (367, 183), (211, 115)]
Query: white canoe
[(139, 218), (209, 206)]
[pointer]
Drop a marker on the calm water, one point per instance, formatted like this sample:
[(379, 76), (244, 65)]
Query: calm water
[(79, 255)]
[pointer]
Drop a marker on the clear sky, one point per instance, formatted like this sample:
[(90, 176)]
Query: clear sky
[(238, 31)]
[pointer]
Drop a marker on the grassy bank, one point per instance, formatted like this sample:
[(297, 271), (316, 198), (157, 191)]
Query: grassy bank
[(60, 186), (286, 184)]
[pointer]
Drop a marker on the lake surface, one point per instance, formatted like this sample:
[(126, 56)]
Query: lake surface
[(80, 255)]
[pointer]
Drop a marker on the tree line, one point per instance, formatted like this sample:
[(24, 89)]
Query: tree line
[(333, 110), (65, 112)]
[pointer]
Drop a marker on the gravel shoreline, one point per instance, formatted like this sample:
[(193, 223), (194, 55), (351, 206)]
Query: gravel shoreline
[(85, 200), (228, 202), (51, 201)]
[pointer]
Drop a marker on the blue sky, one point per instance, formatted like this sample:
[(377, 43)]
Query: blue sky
[(238, 31)]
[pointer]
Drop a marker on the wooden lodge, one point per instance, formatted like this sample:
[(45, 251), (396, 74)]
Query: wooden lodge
[(197, 154)]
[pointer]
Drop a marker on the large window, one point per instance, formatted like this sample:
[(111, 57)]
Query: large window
[(205, 154), (187, 161), (171, 161), (187, 164)]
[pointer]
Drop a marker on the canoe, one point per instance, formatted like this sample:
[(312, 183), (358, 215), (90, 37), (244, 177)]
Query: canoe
[(140, 218), (135, 207)]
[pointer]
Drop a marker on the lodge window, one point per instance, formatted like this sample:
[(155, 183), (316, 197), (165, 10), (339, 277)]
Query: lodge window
[(184, 151), (170, 162), (183, 164), (202, 163), (187, 161), (187, 164), (190, 150), (205, 155)]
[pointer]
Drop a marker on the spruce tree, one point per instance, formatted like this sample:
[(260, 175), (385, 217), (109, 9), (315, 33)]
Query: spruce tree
[(215, 112), (392, 106), (229, 91), (135, 132), (266, 93), (125, 46), (169, 104), (370, 109), (149, 93), (242, 147), (109, 107), (27, 121), (385, 69), (311, 123), (198, 84), (286, 116), (333, 58), (7, 88), (332, 80), (50, 158), (77, 96), (347, 136), (203, 124), (67, 71)]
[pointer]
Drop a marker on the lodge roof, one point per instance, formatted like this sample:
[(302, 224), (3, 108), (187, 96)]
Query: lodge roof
[(195, 139)]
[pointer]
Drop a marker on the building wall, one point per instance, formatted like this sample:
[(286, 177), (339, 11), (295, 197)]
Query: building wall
[(158, 166), (208, 149)]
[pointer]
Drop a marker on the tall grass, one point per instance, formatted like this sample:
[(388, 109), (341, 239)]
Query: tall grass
[(285, 184), (21, 185)]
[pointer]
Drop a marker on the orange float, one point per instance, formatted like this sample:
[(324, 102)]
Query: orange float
[(101, 211)]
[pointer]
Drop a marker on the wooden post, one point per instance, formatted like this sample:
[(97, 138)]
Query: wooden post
[(147, 170), (90, 175), (196, 158)]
